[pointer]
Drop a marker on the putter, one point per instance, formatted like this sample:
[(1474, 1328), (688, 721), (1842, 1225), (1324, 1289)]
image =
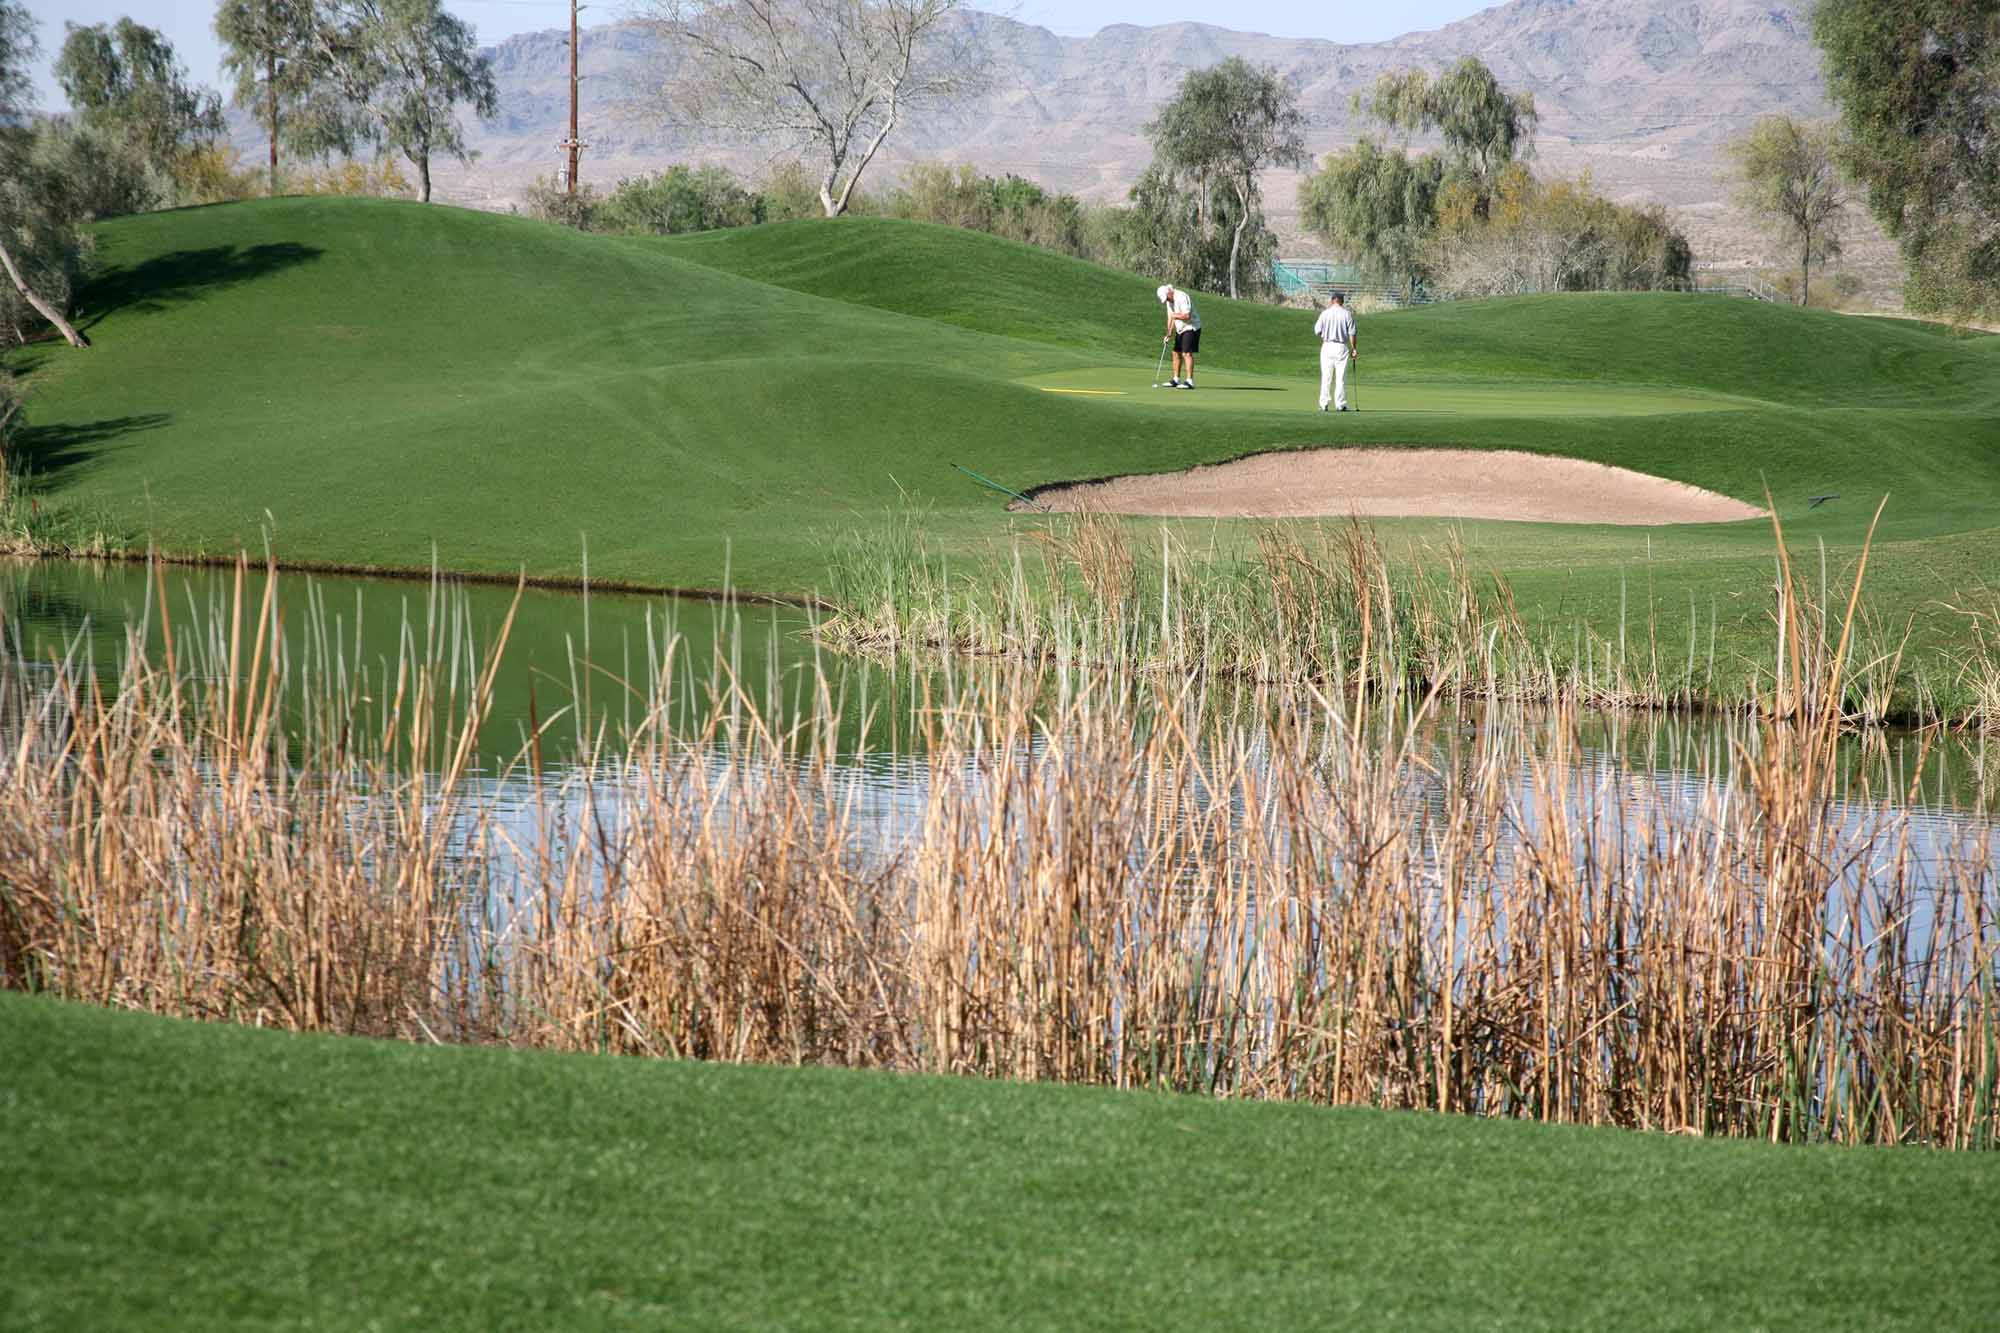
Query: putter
[(1353, 364), (1159, 383)]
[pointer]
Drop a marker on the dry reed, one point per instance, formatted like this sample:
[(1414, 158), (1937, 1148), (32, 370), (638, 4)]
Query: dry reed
[(1291, 606), (1158, 880)]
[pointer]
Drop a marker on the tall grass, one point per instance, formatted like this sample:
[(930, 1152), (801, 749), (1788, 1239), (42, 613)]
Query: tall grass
[(1330, 605), (1149, 879)]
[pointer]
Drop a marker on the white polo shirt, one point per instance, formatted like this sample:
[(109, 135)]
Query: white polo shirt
[(1335, 325), (1182, 309)]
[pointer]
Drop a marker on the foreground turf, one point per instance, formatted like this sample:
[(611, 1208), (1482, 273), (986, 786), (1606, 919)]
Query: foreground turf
[(382, 385), (174, 1175)]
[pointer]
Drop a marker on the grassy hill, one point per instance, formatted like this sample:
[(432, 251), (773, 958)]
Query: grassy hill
[(377, 382), (174, 1175), (973, 281)]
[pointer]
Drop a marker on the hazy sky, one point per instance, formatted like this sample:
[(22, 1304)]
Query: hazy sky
[(186, 22)]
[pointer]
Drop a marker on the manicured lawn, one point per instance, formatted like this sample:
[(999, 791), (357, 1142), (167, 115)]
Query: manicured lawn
[(382, 384), (1227, 391), (166, 1174)]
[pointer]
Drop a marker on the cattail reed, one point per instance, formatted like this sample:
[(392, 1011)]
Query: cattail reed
[(1288, 604), (1320, 885)]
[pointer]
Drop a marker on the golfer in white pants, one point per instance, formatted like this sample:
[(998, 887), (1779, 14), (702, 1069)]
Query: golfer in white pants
[(1335, 328)]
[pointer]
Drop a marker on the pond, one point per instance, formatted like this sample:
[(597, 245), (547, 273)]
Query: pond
[(591, 648), (563, 648)]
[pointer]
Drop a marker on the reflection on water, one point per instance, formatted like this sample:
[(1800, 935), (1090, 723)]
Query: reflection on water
[(563, 677), (575, 664)]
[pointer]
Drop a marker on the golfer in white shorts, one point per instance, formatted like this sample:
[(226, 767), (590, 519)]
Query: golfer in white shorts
[(1335, 328)]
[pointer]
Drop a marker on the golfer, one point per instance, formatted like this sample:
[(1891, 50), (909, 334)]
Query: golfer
[(1335, 328), (1183, 334)]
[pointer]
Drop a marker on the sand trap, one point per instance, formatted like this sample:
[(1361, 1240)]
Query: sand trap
[(1406, 483)]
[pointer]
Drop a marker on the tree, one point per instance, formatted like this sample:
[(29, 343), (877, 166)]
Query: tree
[(1649, 253), (1485, 127), (124, 78), (834, 77), (1918, 86), (1384, 208), (1226, 124), (1786, 178), (1168, 233), (1375, 205), (267, 46), (17, 49), (40, 243), (392, 73)]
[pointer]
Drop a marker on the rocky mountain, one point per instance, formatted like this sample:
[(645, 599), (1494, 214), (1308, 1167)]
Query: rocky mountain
[(1642, 93)]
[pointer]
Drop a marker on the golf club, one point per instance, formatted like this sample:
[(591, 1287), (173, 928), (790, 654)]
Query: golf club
[(1158, 383), (1353, 364)]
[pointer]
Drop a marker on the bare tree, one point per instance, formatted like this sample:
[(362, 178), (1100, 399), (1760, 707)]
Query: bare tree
[(834, 77), (1787, 178)]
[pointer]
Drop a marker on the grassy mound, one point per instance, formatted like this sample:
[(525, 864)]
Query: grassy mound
[(377, 382), (1745, 348), (172, 1175)]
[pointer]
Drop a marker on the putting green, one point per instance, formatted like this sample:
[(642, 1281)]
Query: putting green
[(1267, 393)]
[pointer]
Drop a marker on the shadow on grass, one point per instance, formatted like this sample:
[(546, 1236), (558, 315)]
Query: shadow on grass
[(41, 454), (184, 274)]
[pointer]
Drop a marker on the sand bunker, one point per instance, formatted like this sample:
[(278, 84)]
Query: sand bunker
[(1406, 483)]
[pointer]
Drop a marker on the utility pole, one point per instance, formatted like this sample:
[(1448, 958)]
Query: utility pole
[(572, 146)]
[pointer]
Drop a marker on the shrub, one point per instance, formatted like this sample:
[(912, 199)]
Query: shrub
[(548, 201), (381, 179), (1010, 206), (787, 193), (1556, 235), (213, 173), (679, 199)]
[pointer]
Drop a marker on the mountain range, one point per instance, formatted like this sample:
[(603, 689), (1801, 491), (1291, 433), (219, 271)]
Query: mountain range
[(1643, 94)]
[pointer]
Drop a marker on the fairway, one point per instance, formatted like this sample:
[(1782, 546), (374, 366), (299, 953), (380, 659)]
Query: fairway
[(382, 385), (1234, 391)]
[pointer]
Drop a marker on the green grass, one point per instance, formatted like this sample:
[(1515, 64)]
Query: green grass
[(1294, 395), (378, 382), (173, 1175)]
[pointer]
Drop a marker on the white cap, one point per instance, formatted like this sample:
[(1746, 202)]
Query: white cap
[(1161, 294)]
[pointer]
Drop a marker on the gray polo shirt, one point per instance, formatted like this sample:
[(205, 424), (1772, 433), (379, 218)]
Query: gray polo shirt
[(1335, 325)]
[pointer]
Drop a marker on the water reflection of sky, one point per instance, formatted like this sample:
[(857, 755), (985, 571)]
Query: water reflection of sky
[(1192, 827)]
